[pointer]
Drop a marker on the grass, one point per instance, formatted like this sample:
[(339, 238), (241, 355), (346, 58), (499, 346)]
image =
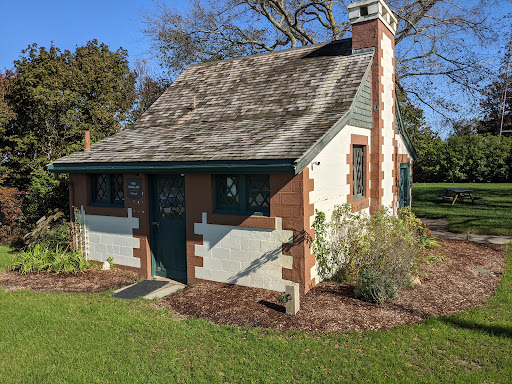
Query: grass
[(92, 338), (6, 256), (492, 215)]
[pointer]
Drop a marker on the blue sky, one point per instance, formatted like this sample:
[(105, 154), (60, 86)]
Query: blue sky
[(118, 23), (69, 23)]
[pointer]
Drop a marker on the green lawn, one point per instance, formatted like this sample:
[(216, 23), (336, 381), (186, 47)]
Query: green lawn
[(92, 338), (492, 215)]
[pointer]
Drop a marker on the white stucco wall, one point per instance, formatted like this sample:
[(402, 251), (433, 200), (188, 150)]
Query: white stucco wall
[(402, 149), (331, 186), (107, 236), (330, 177), (388, 118), (245, 256)]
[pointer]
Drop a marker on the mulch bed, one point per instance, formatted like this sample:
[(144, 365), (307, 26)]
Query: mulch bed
[(92, 280), (467, 277)]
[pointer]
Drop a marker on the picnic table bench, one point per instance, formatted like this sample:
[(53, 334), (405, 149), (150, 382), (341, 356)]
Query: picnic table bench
[(452, 194)]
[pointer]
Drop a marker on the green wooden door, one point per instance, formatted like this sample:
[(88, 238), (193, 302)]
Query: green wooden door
[(168, 232), (404, 185)]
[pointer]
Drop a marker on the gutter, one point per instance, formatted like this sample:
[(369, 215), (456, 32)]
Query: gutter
[(191, 167)]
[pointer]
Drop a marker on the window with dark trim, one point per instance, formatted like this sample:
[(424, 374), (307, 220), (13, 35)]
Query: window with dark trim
[(358, 161), (242, 194), (107, 189)]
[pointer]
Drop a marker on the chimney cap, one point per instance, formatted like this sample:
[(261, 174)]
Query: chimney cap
[(365, 10)]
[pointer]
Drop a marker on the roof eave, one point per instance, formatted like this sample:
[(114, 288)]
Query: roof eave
[(189, 167), (403, 131)]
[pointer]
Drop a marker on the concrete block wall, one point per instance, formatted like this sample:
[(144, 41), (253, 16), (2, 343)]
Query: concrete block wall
[(242, 255), (110, 236)]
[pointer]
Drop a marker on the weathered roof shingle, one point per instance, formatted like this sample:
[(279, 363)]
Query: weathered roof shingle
[(261, 107)]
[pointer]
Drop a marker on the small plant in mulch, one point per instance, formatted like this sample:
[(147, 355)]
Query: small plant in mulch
[(420, 231), (377, 253), (42, 259)]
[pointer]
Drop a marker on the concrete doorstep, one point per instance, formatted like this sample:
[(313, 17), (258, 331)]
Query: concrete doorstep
[(165, 288)]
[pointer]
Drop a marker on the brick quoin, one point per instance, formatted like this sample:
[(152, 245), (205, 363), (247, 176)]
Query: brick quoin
[(290, 201), (368, 34)]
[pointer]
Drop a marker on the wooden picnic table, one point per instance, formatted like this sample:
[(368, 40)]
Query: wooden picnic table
[(452, 194)]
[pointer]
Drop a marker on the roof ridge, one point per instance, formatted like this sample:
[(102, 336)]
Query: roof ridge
[(319, 45)]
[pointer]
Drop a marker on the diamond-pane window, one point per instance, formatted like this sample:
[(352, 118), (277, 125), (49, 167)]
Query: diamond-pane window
[(117, 188), (228, 197), (358, 189), (107, 189), (243, 194), (258, 193), (100, 188), (171, 197)]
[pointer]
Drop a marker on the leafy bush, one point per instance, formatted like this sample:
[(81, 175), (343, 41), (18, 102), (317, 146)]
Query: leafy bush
[(463, 159), (424, 237), (44, 195), (374, 286), (376, 252), (11, 216), (41, 259)]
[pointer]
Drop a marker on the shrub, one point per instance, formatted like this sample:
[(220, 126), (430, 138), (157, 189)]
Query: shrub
[(423, 235), (374, 286), (11, 216), (376, 252), (41, 259)]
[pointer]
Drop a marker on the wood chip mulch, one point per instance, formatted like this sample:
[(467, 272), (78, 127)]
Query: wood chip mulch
[(466, 278), (92, 280)]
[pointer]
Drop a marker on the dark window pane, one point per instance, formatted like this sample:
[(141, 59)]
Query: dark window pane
[(228, 192), (258, 193), (171, 195), (100, 188), (358, 170), (117, 186)]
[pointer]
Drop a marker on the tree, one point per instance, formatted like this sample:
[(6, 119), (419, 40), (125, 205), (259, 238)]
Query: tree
[(6, 114), (55, 96), (429, 146), (147, 89), (492, 107), (431, 39), (464, 127)]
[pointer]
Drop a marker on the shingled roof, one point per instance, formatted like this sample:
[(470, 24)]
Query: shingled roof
[(263, 107)]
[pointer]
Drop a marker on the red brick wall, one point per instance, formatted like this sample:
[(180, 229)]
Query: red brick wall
[(290, 201), (368, 35), (363, 203)]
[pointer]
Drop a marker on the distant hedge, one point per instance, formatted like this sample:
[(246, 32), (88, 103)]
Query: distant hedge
[(464, 159)]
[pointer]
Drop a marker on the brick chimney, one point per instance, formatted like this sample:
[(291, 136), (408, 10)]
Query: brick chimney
[(374, 26)]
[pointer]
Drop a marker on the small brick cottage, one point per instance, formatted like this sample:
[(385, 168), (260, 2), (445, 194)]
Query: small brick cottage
[(220, 178)]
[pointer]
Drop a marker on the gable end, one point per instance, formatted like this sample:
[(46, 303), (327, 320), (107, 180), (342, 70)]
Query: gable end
[(361, 111), (359, 115)]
